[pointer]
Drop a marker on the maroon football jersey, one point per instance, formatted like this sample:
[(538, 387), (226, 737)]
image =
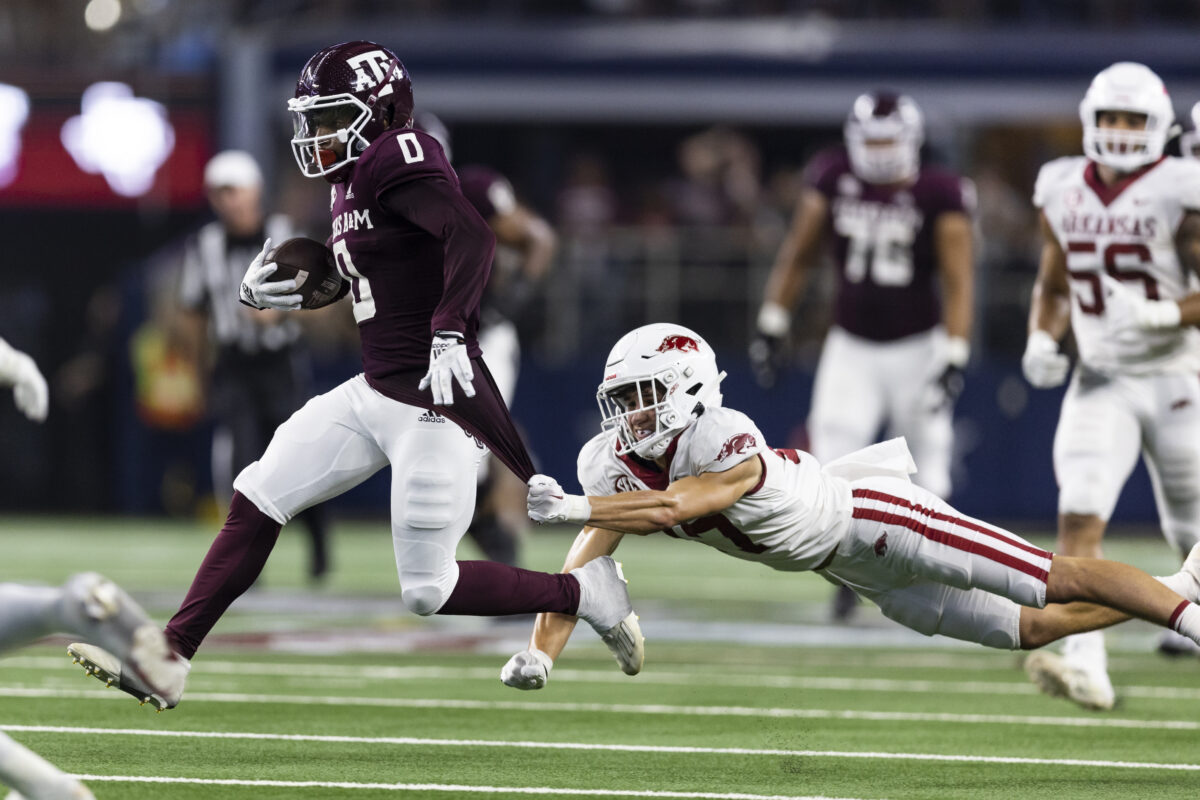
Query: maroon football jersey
[(883, 245), (415, 252), (417, 257)]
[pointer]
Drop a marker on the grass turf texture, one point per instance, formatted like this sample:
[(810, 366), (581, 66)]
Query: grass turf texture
[(859, 712)]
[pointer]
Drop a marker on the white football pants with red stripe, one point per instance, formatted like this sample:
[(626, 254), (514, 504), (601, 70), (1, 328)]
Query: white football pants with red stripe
[(935, 570)]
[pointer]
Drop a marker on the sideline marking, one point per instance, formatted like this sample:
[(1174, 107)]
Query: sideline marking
[(696, 678), (448, 787), (623, 748), (625, 708)]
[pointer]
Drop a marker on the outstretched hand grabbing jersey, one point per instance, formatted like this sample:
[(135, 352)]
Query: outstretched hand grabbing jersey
[(29, 387)]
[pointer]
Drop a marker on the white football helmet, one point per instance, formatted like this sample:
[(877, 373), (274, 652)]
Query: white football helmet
[(1126, 86), (884, 133), (664, 367)]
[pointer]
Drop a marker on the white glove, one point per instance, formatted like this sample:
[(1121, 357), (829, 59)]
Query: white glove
[(448, 360), (257, 293), (1043, 365), (528, 669), (1127, 311), (30, 392), (547, 502)]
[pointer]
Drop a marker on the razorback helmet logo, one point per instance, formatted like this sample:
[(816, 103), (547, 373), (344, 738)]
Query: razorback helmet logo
[(684, 344), (738, 443)]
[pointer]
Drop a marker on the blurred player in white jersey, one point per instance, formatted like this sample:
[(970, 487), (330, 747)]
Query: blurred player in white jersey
[(900, 233), (671, 459), (1121, 251), (87, 605)]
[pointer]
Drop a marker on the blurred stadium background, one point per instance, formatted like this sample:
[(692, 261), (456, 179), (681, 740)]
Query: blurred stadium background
[(663, 139)]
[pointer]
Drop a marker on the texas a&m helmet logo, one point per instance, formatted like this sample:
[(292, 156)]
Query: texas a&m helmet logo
[(381, 64), (684, 344), (736, 444)]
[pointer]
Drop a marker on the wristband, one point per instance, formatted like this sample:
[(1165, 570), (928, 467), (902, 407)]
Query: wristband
[(958, 351), (1161, 314), (1042, 341), (774, 320), (578, 510)]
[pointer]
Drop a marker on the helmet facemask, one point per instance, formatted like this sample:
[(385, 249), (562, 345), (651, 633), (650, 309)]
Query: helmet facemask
[(1135, 89), (886, 148), (625, 408), (1123, 149), (344, 114)]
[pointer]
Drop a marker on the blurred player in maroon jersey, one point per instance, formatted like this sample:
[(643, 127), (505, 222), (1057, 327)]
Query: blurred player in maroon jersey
[(532, 242), (900, 232), (415, 257)]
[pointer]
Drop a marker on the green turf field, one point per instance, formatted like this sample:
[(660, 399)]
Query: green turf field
[(337, 692)]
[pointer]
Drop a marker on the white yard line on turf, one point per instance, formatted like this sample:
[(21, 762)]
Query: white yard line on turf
[(623, 748), (625, 708), (317, 671), (449, 787)]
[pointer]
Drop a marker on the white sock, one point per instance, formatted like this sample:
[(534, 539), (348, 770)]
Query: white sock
[(1186, 620)]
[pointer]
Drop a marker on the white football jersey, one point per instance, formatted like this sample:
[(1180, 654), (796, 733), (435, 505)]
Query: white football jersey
[(1128, 231), (791, 521)]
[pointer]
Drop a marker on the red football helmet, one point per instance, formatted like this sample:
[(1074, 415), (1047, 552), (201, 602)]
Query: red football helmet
[(358, 90), (884, 133)]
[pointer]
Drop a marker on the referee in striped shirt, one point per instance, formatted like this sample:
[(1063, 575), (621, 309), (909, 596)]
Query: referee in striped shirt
[(260, 370)]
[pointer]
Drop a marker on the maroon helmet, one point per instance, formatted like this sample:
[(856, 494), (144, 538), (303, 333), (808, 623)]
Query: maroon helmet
[(358, 90)]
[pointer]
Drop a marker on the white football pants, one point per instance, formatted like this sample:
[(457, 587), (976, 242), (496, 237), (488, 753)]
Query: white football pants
[(935, 570), (861, 384), (1107, 421), (339, 439)]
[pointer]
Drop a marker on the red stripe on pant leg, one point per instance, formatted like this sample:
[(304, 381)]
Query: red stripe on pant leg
[(951, 540), (870, 494), (1176, 614)]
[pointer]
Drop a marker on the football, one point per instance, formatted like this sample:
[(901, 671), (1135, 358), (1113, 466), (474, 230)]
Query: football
[(312, 264)]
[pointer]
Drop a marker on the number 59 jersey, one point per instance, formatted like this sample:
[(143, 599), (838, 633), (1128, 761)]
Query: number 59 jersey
[(1126, 230), (792, 520)]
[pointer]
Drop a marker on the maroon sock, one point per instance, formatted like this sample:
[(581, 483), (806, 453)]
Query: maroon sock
[(488, 589), (231, 566)]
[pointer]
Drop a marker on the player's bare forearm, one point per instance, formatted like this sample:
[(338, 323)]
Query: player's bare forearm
[(1050, 305), (551, 631), (686, 499), (955, 260)]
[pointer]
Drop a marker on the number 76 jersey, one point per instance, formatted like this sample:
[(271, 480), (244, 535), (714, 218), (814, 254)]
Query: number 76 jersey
[(1126, 230)]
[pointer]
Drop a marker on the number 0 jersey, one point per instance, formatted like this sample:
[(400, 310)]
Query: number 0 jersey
[(792, 520), (1128, 231)]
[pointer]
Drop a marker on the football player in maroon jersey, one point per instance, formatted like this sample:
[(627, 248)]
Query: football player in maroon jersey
[(900, 234), (415, 257)]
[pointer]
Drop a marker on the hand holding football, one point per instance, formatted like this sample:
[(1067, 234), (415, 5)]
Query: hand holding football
[(312, 264)]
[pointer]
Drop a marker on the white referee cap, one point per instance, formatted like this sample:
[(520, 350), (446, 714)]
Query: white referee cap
[(232, 168)]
